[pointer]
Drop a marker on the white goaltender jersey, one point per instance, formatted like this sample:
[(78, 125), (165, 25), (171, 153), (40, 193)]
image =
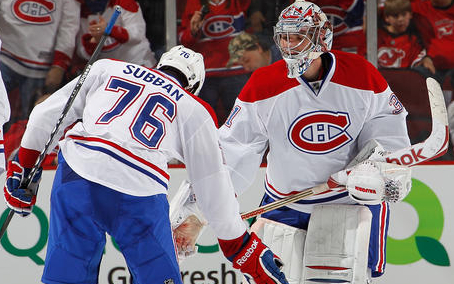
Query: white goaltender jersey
[(131, 122), (310, 135), (127, 41), (38, 34), (5, 112)]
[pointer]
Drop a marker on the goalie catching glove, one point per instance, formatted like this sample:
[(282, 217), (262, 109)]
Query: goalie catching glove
[(21, 200), (371, 182), (254, 259)]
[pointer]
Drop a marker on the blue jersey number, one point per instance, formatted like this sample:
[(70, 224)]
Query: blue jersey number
[(147, 128)]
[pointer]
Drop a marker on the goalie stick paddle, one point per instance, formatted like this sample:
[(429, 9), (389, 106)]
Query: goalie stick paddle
[(26, 182), (433, 147)]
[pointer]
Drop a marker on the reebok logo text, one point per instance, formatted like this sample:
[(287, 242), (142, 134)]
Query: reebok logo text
[(248, 253)]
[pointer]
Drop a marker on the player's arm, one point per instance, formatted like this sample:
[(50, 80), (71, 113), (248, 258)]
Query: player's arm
[(243, 142), (65, 43), (65, 40), (45, 115), (375, 180), (41, 123), (133, 25), (385, 110), (185, 35), (216, 199)]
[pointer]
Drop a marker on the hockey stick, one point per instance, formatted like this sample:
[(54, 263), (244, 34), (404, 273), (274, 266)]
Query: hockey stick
[(26, 182), (433, 147)]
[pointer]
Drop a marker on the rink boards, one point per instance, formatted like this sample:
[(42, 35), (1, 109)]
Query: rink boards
[(420, 242)]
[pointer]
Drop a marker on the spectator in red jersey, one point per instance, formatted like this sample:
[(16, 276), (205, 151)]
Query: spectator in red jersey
[(399, 43), (435, 21), (209, 33)]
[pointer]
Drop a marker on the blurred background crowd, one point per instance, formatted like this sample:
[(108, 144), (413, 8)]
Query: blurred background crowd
[(47, 43)]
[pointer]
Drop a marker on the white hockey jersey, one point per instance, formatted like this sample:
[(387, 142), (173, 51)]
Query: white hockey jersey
[(5, 112), (127, 41), (132, 121), (310, 134), (38, 34)]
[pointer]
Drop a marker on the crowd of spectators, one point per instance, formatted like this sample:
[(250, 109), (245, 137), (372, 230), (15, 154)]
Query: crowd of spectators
[(42, 51)]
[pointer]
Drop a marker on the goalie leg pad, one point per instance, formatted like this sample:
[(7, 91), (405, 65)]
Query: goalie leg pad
[(285, 241), (337, 243)]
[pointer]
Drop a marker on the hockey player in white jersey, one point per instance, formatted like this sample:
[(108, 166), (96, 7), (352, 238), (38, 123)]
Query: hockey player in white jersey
[(112, 175), (314, 111)]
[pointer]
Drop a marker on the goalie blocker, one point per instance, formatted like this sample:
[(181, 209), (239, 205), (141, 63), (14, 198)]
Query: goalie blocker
[(334, 249)]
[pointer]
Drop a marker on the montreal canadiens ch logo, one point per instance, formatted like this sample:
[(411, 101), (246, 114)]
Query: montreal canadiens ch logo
[(219, 26), (320, 132), (34, 11)]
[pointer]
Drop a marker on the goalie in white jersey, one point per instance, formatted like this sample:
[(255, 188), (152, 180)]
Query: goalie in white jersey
[(314, 111), (112, 175)]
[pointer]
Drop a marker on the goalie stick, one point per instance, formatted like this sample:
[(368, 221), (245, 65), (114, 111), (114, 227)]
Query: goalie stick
[(433, 147), (26, 182)]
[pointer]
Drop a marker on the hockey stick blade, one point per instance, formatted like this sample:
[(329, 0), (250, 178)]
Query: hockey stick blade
[(433, 147), (26, 182), (436, 144)]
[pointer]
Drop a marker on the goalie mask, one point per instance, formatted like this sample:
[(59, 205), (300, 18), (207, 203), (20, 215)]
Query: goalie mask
[(188, 62), (302, 33)]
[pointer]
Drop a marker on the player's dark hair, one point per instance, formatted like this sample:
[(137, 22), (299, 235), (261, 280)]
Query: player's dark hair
[(175, 73)]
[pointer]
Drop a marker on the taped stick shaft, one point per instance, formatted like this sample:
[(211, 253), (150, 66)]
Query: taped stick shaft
[(282, 202)]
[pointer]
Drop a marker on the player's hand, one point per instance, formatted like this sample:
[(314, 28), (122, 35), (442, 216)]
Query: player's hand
[(54, 78), (20, 200), (254, 259), (96, 29), (196, 23), (186, 236)]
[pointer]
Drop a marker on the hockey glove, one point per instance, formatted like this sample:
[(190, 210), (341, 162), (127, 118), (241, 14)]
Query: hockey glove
[(20, 200), (187, 220), (254, 259), (365, 183)]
